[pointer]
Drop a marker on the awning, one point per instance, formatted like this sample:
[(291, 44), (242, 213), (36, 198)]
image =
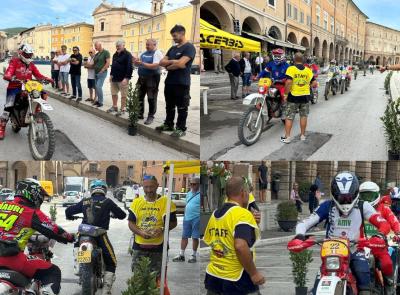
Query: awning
[(212, 37), (276, 42), (295, 46)]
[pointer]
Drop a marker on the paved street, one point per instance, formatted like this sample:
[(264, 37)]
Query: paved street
[(340, 128), (81, 136), (273, 261), (183, 278)]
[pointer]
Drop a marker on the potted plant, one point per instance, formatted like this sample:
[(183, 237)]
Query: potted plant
[(132, 107), (304, 188), (286, 215), (300, 263), (391, 124), (387, 82), (143, 281)]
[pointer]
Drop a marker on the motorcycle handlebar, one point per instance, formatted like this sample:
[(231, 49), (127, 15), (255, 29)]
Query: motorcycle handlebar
[(44, 81)]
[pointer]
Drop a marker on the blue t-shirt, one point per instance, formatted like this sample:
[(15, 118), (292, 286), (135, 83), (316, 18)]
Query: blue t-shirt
[(192, 209)]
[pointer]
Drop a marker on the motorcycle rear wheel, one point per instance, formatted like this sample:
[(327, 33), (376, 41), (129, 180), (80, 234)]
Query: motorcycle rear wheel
[(88, 279), (342, 87), (46, 135), (326, 93), (250, 115)]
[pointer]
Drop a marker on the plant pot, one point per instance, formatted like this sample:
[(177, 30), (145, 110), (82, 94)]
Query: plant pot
[(287, 225), (393, 155), (301, 290), (132, 130)]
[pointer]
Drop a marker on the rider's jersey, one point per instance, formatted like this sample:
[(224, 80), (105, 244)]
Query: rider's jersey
[(22, 72), (19, 221), (386, 213), (274, 71), (333, 69), (96, 210), (350, 226), (222, 229)]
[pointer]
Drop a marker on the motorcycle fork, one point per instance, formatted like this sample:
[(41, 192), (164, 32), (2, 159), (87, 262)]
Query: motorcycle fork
[(31, 120), (260, 112)]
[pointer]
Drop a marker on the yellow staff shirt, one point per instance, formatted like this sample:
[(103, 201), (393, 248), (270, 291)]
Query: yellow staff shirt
[(301, 80)]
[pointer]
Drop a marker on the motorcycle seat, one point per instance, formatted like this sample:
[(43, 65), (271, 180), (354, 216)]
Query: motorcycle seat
[(14, 277)]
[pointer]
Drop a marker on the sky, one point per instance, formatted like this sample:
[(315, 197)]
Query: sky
[(384, 12), (25, 13)]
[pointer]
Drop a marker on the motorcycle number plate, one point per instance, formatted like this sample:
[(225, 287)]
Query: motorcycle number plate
[(45, 105), (84, 257), (334, 248)]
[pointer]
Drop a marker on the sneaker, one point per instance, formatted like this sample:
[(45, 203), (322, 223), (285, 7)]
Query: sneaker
[(94, 102), (302, 137), (178, 258), (192, 259), (88, 99), (63, 93), (99, 105), (120, 112), (79, 99), (178, 133), (112, 110), (140, 117), (72, 97), (285, 139), (164, 127), (149, 120)]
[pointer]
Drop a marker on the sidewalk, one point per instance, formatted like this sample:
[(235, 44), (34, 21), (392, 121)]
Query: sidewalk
[(188, 144)]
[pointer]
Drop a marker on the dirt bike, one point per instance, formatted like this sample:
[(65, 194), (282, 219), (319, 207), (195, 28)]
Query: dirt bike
[(355, 74), (344, 83), (335, 277), (14, 283), (28, 111), (394, 251), (331, 84), (263, 106)]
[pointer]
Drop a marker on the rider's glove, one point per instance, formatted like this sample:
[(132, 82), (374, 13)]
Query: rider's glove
[(300, 237), (69, 237)]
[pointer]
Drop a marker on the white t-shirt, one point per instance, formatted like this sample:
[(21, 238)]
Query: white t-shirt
[(247, 68), (158, 56), (62, 58), (259, 60), (91, 73), (56, 66)]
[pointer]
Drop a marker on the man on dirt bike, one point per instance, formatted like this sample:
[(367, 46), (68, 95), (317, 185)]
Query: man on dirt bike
[(97, 210), (21, 218), (276, 70), (22, 68), (313, 66), (369, 192), (344, 216)]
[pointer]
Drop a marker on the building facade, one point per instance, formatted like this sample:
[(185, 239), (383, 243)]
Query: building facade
[(78, 34), (3, 45), (13, 43), (57, 37), (42, 41), (26, 37)]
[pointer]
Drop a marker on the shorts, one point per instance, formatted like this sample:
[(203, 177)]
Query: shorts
[(292, 108), (217, 286), (263, 185), (155, 259), (91, 83), (64, 78), (191, 229), (117, 87), (246, 79)]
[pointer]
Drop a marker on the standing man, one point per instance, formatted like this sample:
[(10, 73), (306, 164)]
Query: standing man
[(233, 69), (297, 95), (191, 222), (149, 78), (245, 70), (231, 234), (75, 72), (178, 61), (101, 63), (263, 181), (147, 222), (217, 54), (121, 73), (63, 62)]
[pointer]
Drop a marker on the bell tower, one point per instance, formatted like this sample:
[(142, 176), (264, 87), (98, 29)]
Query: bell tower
[(157, 7)]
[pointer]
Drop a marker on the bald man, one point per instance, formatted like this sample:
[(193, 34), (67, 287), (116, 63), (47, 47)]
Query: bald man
[(231, 233), (233, 69), (101, 63)]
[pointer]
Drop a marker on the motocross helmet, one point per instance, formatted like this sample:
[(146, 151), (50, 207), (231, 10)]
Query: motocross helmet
[(278, 55), (31, 190), (309, 60), (369, 192), (344, 189), (25, 53), (98, 186), (333, 62), (346, 63)]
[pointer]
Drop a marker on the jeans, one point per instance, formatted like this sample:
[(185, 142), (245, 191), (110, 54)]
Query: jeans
[(176, 97), (55, 76), (234, 85), (76, 84), (99, 86), (148, 85)]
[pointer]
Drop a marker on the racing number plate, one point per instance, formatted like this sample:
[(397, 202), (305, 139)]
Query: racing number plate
[(84, 257), (334, 248)]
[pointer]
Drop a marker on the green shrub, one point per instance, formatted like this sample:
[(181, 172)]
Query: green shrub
[(143, 281), (387, 81), (304, 189), (300, 263), (391, 124), (286, 211)]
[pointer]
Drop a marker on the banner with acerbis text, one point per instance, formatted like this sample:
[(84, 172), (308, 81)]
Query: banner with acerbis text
[(212, 37)]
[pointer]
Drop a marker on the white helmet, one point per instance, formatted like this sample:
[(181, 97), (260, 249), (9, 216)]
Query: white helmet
[(369, 192), (25, 53)]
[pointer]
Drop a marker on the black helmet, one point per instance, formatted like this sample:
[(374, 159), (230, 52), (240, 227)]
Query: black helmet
[(344, 189), (30, 190)]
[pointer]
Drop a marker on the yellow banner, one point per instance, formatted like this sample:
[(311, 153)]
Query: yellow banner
[(212, 37), (183, 167)]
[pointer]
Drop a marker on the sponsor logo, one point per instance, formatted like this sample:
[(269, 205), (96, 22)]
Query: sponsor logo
[(219, 40), (5, 275)]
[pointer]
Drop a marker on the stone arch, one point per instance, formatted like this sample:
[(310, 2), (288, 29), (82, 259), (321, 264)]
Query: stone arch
[(397, 61), (112, 176), (378, 60), (346, 54), (331, 51), (337, 52), (274, 32), (305, 43), (384, 61), (325, 51), (292, 38), (316, 49), (389, 61), (371, 59), (250, 24)]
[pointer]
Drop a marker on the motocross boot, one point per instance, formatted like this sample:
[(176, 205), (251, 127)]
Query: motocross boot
[(109, 279), (3, 124), (389, 285), (47, 290)]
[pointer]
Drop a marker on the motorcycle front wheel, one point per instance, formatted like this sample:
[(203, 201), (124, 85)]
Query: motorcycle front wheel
[(42, 148), (342, 87), (326, 93), (247, 125), (88, 279)]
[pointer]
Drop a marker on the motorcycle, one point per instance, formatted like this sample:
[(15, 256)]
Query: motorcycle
[(371, 69), (344, 83), (355, 74), (88, 256), (334, 276), (331, 84), (314, 90), (28, 111), (263, 106), (14, 283)]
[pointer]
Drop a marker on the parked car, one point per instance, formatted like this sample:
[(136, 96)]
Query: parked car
[(179, 200), (5, 194), (71, 198)]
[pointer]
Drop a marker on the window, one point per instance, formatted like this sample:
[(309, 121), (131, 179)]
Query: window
[(102, 26), (149, 29), (289, 10), (141, 31), (140, 46), (130, 171), (158, 27), (302, 17), (132, 32), (325, 20), (271, 3), (132, 44), (93, 167), (342, 31), (332, 25), (308, 20), (295, 12), (318, 14)]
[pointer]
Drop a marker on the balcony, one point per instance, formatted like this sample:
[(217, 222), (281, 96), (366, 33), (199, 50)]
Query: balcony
[(341, 40)]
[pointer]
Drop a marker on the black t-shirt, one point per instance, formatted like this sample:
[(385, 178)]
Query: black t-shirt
[(301, 98), (180, 76), (262, 169), (76, 69)]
